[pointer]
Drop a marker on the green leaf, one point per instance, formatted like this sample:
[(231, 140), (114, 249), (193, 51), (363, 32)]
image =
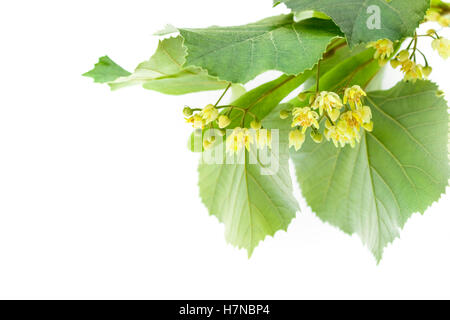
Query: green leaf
[(164, 72), (239, 54), (400, 168), (252, 205), (398, 18), (106, 70)]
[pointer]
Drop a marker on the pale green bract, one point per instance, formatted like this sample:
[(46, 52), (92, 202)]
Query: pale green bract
[(239, 54), (398, 18), (398, 169), (164, 72)]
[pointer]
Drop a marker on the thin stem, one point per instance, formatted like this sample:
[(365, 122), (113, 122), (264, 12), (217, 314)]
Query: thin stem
[(425, 58), (223, 94), (318, 78)]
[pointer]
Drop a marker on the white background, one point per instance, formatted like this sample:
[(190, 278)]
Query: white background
[(98, 192)]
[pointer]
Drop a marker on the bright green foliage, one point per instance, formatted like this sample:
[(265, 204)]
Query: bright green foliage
[(250, 204), (164, 72), (106, 70), (398, 169), (398, 18), (239, 54)]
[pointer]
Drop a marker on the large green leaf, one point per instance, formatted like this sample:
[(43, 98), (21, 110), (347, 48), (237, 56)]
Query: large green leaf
[(238, 54), (398, 18), (398, 169), (164, 72), (252, 205)]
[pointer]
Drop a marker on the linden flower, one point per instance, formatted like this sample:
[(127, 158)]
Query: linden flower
[(330, 102), (263, 138), (196, 121), (335, 134), (442, 46), (349, 125), (210, 113), (383, 49), (363, 115), (305, 118), (354, 96), (296, 139), (412, 70), (239, 138)]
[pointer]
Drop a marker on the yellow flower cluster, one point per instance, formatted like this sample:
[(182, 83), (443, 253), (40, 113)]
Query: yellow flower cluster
[(384, 48), (412, 70), (342, 129), (242, 138), (203, 118), (434, 15)]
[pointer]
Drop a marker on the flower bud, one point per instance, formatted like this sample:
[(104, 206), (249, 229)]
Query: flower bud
[(187, 112), (395, 63), (427, 71), (316, 136), (368, 126), (224, 121), (284, 114), (403, 56), (302, 96), (255, 124)]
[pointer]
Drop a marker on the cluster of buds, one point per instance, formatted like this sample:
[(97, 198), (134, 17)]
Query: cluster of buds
[(412, 70), (342, 128)]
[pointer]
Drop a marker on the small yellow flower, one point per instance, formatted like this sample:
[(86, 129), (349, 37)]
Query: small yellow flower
[(353, 96), (444, 21), (224, 121), (305, 118), (349, 126), (210, 113), (383, 49), (208, 143), (239, 138), (263, 138), (442, 46), (296, 139), (335, 134), (196, 121), (363, 115), (330, 102), (432, 15), (412, 70)]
